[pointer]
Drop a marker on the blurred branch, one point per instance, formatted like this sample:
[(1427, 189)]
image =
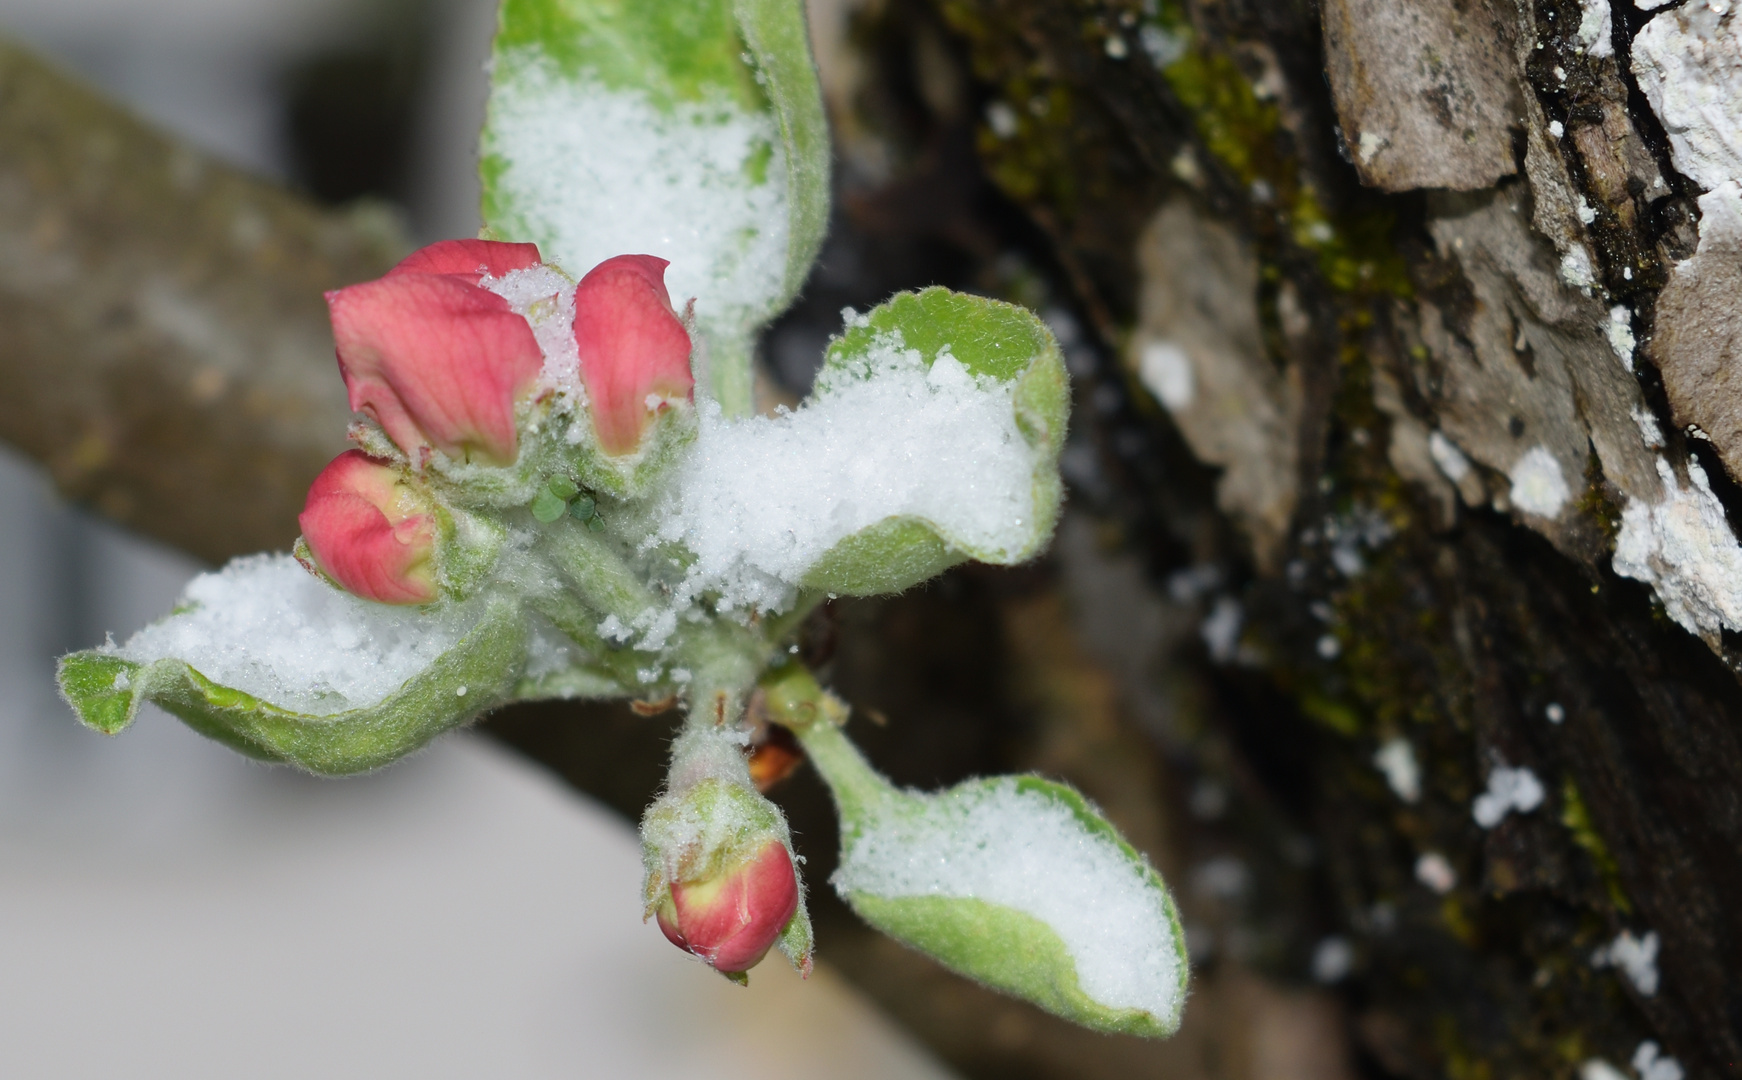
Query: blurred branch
[(163, 343)]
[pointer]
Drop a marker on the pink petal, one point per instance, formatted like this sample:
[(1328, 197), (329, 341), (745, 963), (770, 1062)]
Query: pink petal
[(631, 345), (435, 361), (475, 258), (360, 536)]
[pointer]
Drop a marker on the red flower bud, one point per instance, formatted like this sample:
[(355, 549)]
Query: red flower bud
[(370, 532), (732, 919), (434, 358), (632, 347)]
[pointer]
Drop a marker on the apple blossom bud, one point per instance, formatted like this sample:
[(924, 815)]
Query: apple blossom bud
[(635, 352), (436, 359), (732, 919), (370, 532), (720, 871)]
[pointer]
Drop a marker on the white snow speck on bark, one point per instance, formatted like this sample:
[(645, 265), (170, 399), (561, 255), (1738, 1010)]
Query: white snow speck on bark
[(1396, 759), (1166, 372), (1634, 957), (1537, 484), (1509, 789)]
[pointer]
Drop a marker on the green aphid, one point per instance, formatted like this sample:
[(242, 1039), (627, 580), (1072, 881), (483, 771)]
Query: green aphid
[(583, 509), (563, 488), (547, 507)]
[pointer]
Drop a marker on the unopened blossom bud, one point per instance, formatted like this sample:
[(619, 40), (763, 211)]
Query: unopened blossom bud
[(436, 359), (720, 871), (370, 531), (733, 918), (634, 351)]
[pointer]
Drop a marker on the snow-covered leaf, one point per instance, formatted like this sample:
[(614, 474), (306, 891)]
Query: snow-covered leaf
[(281, 666), (932, 438), (692, 130), (1016, 882)]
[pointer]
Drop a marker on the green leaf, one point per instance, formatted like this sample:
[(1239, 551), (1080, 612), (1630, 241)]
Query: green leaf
[(692, 130), (1000, 342), (1016, 882), (481, 671)]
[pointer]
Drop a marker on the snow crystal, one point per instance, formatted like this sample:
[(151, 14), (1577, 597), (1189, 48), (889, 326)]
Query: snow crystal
[(266, 626), (1537, 484), (1022, 850), (759, 501), (1649, 433), (1166, 371), (1683, 548), (1396, 759), (545, 297), (597, 172), (1651, 1063), (1636, 957), (1508, 790)]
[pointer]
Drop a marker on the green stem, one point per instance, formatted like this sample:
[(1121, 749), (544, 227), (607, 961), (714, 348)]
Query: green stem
[(795, 700)]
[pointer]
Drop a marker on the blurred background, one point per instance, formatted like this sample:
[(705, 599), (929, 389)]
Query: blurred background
[(169, 909)]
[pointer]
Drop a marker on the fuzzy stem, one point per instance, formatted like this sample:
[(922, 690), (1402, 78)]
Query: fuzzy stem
[(796, 701)]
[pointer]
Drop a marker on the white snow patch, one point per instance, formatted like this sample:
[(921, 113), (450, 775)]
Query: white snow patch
[(597, 172), (545, 297), (1577, 269), (759, 501), (1635, 957), (1683, 548), (1621, 334), (1370, 143), (1537, 484), (1163, 47), (1599, 1069), (1649, 433), (1022, 850), (1651, 1063), (1396, 759), (1448, 457), (1509, 789), (1435, 871), (1593, 35), (1166, 372), (1689, 63), (266, 626), (1555, 713)]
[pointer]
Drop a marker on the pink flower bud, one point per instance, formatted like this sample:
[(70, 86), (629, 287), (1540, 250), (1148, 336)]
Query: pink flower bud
[(370, 532), (434, 358), (732, 919), (632, 347)]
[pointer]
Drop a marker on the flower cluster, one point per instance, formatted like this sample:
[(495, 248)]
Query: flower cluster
[(443, 365)]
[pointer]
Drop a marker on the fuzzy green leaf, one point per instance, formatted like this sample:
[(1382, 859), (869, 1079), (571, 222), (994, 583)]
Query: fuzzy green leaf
[(1001, 342), (482, 670), (692, 130), (964, 875)]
